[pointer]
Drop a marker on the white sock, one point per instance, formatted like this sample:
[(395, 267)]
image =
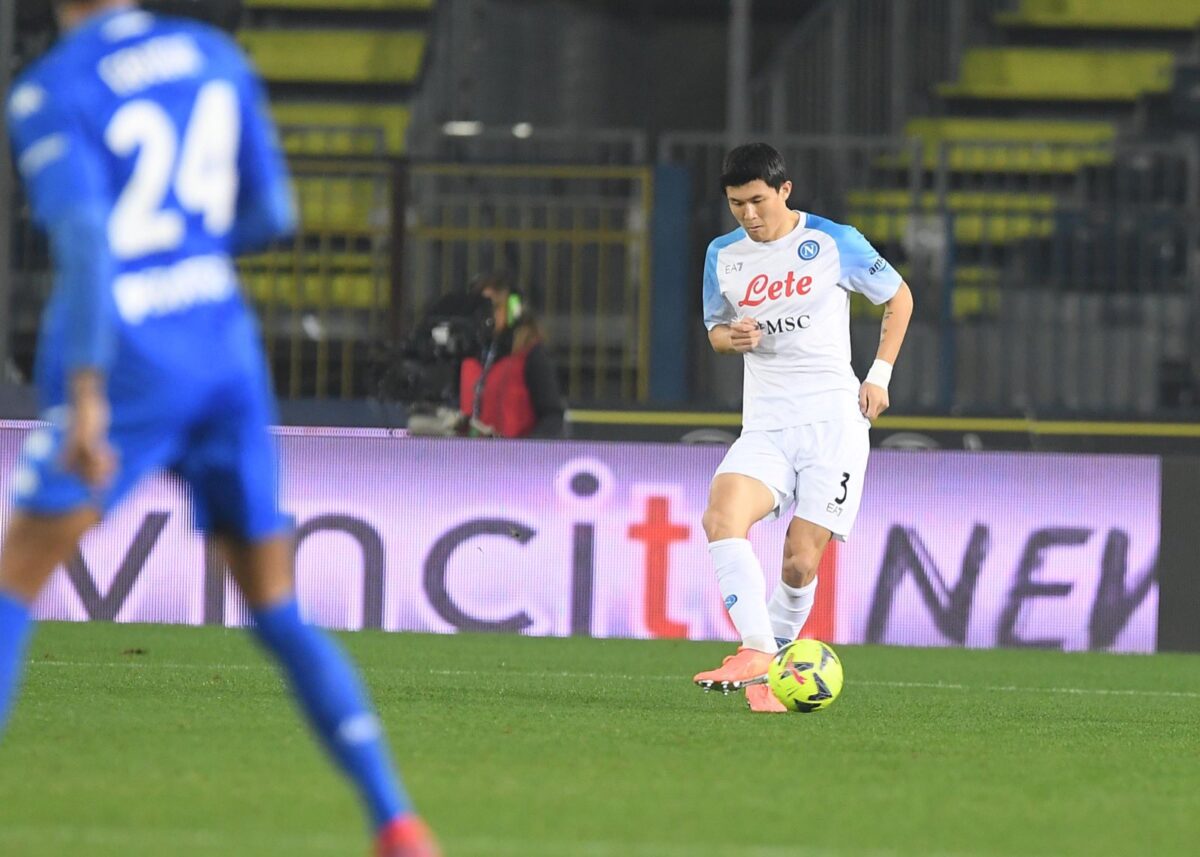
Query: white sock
[(740, 579), (789, 609)]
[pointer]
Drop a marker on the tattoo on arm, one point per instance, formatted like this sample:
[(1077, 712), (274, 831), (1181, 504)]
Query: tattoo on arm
[(887, 313)]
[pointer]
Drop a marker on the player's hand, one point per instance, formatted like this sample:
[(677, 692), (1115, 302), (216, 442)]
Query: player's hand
[(86, 451), (744, 335), (872, 400)]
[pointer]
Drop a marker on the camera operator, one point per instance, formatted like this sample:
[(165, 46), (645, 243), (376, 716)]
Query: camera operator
[(513, 391)]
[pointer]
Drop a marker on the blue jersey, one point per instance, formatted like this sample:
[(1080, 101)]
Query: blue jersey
[(148, 157)]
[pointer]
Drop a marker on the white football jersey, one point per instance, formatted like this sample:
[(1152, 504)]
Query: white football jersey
[(798, 290)]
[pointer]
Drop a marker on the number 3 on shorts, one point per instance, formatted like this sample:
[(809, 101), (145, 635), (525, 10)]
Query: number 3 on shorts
[(845, 483)]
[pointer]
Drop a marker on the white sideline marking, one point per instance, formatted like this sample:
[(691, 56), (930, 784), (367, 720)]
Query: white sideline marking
[(933, 685)]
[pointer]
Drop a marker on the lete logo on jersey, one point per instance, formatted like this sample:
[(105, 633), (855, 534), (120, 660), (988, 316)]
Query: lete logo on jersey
[(762, 288)]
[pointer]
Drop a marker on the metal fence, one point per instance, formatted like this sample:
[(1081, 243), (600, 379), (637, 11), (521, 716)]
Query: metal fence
[(528, 144), (1048, 277), (381, 238), (577, 238), (864, 66), (329, 297)]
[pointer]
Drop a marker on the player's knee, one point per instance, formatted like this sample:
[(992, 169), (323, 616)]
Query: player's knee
[(719, 523), (800, 567)]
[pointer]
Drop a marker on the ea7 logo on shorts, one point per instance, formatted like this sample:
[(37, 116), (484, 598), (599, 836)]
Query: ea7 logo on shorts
[(808, 250)]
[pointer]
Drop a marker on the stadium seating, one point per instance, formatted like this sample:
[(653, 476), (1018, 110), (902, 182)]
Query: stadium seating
[(976, 294), (341, 128), (336, 56), (341, 75), (1104, 14), (1060, 74), (1008, 145), (979, 217), (282, 285)]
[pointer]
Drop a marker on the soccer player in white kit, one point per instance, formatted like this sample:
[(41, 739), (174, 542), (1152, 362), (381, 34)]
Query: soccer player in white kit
[(777, 291)]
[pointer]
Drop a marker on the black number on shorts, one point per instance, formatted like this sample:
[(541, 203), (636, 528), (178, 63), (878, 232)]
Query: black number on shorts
[(845, 483)]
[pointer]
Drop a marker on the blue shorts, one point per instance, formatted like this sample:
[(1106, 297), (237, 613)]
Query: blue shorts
[(215, 438)]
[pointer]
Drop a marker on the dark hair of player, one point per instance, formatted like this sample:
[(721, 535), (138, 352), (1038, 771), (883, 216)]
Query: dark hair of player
[(753, 161)]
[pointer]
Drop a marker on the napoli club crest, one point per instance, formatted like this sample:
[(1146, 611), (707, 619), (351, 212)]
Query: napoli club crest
[(808, 250)]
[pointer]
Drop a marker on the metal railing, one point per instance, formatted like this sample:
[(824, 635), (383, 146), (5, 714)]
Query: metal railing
[(577, 239), (1049, 277), (381, 238), (330, 296), (528, 144), (864, 66), (1052, 277)]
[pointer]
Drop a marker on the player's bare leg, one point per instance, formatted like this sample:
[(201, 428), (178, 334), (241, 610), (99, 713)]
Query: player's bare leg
[(736, 503), (34, 546), (803, 548), (792, 601), (262, 570), (326, 685), (793, 598)]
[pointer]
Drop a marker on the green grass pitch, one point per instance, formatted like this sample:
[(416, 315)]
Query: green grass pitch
[(138, 740)]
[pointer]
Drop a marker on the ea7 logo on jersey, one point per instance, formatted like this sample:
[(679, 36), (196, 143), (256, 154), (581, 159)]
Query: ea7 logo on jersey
[(762, 289)]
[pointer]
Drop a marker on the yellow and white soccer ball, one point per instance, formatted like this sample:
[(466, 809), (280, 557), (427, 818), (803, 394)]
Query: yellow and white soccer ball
[(805, 675)]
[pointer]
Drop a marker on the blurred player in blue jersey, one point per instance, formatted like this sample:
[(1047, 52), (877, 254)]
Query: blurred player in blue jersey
[(149, 160)]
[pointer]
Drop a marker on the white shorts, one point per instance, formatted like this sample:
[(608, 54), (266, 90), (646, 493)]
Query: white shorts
[(820, 467)]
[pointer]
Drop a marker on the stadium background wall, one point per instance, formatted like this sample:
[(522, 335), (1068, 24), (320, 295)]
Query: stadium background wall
[(589, 538)]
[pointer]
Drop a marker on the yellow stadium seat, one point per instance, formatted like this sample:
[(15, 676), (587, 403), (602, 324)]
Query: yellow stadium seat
[(979, 217), (976, 294), (314, 290), (351, 206), (1060, 74), (1020, 145), (341, 128), (311, 280), (1105, 14), (336, 56)]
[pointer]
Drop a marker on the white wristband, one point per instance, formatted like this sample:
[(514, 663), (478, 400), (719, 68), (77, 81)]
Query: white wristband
[(880, 374)]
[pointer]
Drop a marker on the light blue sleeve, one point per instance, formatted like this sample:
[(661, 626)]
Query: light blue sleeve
[(717, 309), (64, 180), (864, 270)]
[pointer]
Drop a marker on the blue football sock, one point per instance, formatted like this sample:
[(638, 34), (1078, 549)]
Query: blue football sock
[(15, 625), (322, 679)]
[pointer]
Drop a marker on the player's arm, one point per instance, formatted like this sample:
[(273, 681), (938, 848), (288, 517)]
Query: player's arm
[(897, 313), (266, 209), (726, 333), (873, 397), (63, 178), (868, 273)]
